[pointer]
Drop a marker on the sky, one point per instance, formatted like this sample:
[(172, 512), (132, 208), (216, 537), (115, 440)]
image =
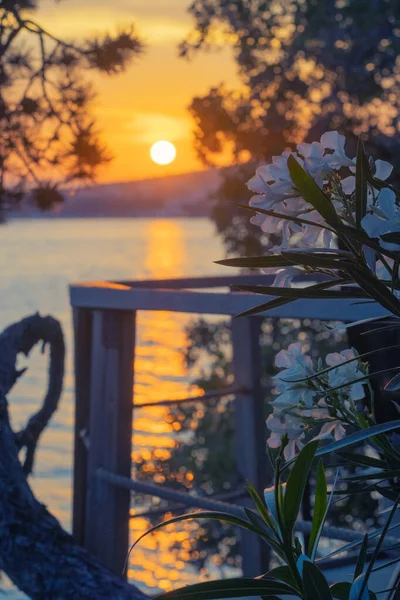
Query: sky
[(149, 101)]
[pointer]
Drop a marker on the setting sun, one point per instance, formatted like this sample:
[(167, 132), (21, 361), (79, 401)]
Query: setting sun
[(163, 153)]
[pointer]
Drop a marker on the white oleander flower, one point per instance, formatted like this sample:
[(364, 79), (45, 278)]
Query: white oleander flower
[(333, 427), (276, 192), (286, 424), (383, 170), (344, 373), (296, 365), (332, 140), (384, 217)]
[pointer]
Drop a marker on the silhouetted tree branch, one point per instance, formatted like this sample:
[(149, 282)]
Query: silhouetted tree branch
[(48, 135)]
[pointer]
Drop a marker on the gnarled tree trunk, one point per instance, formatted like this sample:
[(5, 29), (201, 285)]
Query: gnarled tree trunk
[(36, 553)]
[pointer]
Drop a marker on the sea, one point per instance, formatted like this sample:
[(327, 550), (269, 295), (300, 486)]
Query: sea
[(38, 260)]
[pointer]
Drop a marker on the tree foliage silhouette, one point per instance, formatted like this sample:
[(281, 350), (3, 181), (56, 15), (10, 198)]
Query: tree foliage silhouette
[(305, 67), (48, 135)]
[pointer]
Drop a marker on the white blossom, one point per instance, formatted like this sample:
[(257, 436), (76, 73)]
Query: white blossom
[(344, 373), (276, 192), (384, 217), (332, 140), (296, 365), (286, 424)]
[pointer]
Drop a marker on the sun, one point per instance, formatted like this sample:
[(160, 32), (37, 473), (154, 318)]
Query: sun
[(163, 152)]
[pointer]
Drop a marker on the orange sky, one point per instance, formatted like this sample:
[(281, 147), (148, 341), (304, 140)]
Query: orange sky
[(149, 101)]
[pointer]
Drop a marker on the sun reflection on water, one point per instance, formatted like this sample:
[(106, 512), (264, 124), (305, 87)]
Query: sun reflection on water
[(160, 374)]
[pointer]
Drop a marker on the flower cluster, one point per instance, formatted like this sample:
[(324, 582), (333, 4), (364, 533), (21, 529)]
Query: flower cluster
[(275, 190), (314, 400), (326, 162)]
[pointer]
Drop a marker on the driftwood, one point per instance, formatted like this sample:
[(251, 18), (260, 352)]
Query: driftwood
[(36, 553)]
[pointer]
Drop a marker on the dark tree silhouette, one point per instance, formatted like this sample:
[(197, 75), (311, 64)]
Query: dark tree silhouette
[(306, 66), (48, 135)]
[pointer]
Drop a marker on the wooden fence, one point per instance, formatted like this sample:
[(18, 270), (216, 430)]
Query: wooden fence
[(104, 327)]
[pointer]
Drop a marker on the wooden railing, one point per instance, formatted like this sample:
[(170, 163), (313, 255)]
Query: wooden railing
[(104, 326)]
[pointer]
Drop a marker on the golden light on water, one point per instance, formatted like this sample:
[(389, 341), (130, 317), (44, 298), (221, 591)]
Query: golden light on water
[(160, 374), (163, 152)]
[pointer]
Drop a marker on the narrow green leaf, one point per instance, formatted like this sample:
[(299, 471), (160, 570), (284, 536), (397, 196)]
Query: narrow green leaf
[(361, 558), (284, 574), (255, 262), (377, 476), (356, 543), (285, 217), (392, 237), (218, 516), (320, 504), (314, 583), (361, 183), (394, 384), (375, 289), (230, 588), (379, 545), (263, 307), (341, 590), (281, 301), (363, 460), (360, 236), (318, 260), (311, 192), (304, 292), (359, 436), (296, 484), (385, 565), (262, 509)]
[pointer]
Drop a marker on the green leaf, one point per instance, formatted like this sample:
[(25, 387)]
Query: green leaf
[(379, 545), (360, 236), (361, 183), (377, 476), (323, 260), (281, 301), (296, 484), (363, 460), (361, 557), (230, 588), (392, 237), (304, 292), (359, 436), (375, 289), (341, 590), (255, 262), (262, 509), (311, 192), (320, 504), (284, 574), (263, 307), (272, 213), (314, 583), (217, 516), (394, 384), (356, 543)]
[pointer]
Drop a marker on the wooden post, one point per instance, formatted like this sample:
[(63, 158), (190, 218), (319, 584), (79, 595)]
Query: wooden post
[(82, 362), (110, 435), (252, 458)]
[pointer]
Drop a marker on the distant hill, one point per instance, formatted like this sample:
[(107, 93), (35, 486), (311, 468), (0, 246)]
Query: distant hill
[(172, 196)]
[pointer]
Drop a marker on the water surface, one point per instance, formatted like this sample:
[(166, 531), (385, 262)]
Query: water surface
[(38, 259)]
